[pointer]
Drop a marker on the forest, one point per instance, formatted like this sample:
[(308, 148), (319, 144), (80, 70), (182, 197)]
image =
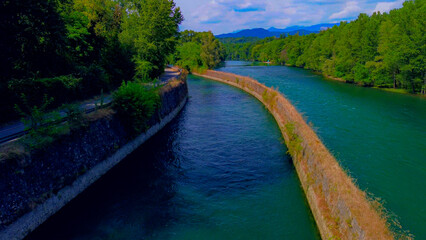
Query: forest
[(60, 51), (197, 51), (385, 50), (67, 50)]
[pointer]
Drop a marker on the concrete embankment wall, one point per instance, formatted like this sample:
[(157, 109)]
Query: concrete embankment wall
[(341, 210), (54, 176)]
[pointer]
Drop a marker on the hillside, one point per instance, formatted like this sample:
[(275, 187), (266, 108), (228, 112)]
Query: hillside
[(276, 32)]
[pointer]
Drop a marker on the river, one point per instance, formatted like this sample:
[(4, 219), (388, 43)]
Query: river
[(378, 136), (218, 171)]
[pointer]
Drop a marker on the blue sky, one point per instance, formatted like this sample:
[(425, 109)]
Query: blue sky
[(223, 16)]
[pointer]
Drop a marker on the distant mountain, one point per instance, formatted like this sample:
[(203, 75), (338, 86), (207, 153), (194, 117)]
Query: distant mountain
[(313, 28), (261, 33), (276, 32), (255, 32)]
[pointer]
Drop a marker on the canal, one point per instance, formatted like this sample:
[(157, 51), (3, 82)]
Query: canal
[(218, 171), (378, 136)]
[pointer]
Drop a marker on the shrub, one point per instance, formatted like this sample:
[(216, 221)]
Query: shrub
[(61, 88), (43, 137), (135, 104), (269, 96), (74, 115), (34, 116), (94, 78), (143, 70), (43, 127), (294, 145)]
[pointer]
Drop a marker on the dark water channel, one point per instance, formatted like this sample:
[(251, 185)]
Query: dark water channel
[(218, 171)]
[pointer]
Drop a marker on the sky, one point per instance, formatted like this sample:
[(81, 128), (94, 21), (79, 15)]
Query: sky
[(224, 16)]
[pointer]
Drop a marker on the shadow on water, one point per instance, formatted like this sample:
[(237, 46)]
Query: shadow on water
[(145, 178), (218, 171)]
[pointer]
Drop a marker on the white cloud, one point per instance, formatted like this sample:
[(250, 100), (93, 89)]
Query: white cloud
[(350, 9), (281, 21), (245, 4), (223, 16), (387, 6), (208, 12)]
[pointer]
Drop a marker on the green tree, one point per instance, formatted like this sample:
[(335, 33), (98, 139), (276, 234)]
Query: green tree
[(211, 51), (189, 55), (150, 29), (135, 104), (390, 40), (198, 50), (32, 39)]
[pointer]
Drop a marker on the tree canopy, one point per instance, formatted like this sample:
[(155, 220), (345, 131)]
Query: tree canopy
[(98, 44), (198, 50)]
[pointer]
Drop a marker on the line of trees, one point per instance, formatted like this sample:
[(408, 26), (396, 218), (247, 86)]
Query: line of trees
[(197, 51), (71, 49), (383, 50)]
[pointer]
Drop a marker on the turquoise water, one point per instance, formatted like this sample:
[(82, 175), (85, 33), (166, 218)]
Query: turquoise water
[(218, 171), (380, 137)]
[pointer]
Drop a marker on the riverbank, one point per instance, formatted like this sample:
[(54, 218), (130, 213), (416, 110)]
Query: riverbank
[(35, 188), (392, 90), (331, 78), (340, 208)]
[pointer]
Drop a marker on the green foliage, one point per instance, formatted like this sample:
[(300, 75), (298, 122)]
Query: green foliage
[(362, 75), (32, 38), (34, 116), (41, 125), (211, 51), (78, 35), (239, 40), (61, 88), (382, 50), (43, 137), (198, 50), (94, 78), (96, 44), (135, 104), (150, 28), (294, 144), (269, 96), (74, 116), (189, 54), (143, 70)]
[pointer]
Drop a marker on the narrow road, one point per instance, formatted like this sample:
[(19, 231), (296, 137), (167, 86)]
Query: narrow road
[(169, 72), (16, 129)]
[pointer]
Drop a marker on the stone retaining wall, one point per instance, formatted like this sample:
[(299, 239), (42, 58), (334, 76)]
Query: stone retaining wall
[(32, 193)]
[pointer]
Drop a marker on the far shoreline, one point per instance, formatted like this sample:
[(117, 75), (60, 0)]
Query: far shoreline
[(336, 79)]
